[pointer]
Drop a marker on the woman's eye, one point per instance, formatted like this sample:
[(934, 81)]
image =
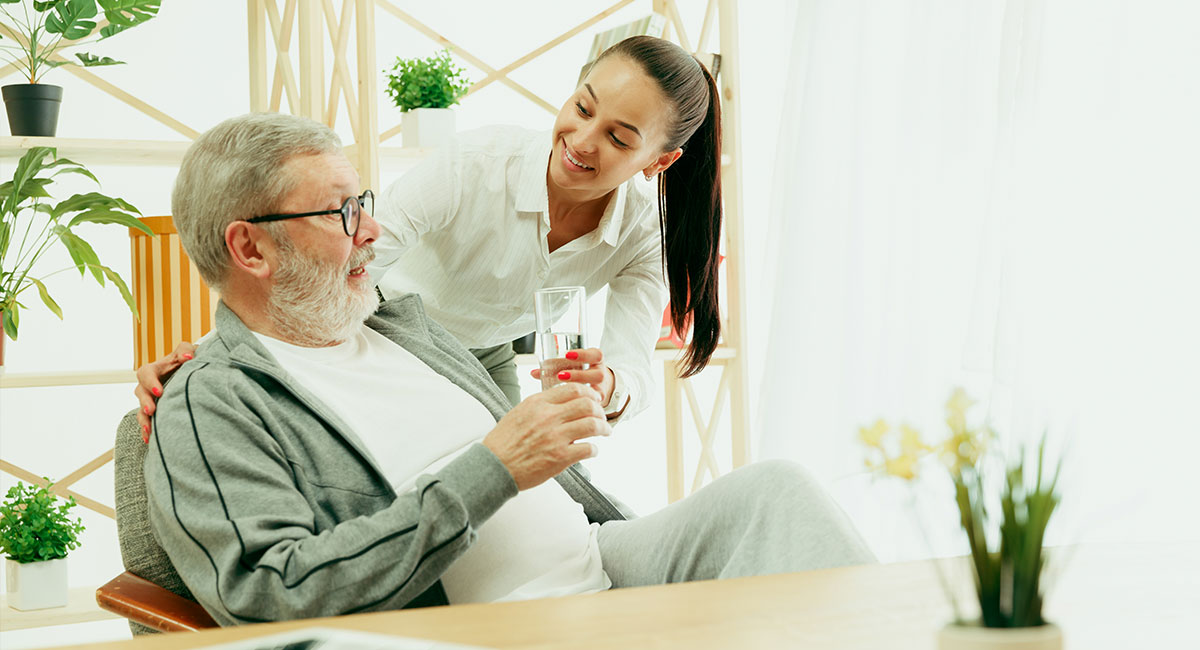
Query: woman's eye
[(581, 109), (617, 140)]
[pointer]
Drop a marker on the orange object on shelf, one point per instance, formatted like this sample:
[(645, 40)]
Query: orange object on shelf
[(174, 303)]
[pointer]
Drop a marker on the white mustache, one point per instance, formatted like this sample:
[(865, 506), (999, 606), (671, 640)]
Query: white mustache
[(361, 257)]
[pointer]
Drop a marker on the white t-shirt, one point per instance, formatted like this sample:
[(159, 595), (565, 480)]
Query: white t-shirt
[(467, 227), (414, 421)]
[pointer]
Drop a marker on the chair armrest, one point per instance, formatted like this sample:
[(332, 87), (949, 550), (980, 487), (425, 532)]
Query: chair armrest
[(144, 602)]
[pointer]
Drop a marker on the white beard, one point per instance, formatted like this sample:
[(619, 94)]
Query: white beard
[(312, 303)]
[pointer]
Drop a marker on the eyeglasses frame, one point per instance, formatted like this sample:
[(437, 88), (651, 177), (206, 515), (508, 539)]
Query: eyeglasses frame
[(344, 210)]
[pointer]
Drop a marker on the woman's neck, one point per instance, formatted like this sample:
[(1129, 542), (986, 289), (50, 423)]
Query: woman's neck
[(573, 213)]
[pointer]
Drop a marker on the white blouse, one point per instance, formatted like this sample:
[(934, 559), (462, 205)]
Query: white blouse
[(467, 230)]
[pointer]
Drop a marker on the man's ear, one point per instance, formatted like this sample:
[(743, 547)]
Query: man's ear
[(661, 163), (247, 245)]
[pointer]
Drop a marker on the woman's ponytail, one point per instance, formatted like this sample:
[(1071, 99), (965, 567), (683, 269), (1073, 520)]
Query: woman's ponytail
[(689, 209), (689, 191)]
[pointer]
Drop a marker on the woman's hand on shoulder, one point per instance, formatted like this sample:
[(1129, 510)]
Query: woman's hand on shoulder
[(152, 376), (597, 375)]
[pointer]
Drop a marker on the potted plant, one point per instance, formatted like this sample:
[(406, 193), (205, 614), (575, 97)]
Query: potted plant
[(424, 90), (35, 535), (31, 223), (1004, 517), (31, 37)]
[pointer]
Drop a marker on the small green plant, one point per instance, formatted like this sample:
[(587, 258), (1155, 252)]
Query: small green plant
[(30, 224), (1004, 533), (434, 82), (35, 526), (42, 27)]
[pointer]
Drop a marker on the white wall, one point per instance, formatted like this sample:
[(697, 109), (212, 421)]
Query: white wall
[(191, 63)]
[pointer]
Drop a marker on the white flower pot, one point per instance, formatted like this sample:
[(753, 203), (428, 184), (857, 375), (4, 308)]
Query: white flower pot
[(977, 637), (36, 585), (427, 128)]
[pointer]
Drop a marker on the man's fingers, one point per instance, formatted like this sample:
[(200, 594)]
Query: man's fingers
[(586, 428), (569, 391), (581, 451), (582, 407)]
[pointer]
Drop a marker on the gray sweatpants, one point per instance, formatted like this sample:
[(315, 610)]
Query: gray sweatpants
[(501, 364), (768, 517)]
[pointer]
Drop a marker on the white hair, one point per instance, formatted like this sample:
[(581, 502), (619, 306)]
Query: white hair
[(237, 170)]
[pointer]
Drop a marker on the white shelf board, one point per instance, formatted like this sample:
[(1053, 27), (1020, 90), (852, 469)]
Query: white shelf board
[(391, 153), (93, 151), (70, 378), (144, 152), (81, 608)]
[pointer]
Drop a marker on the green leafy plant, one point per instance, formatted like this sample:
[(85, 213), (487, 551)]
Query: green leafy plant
[(30, 38), (1005, 532), (433, 82), (35, 526), (34, 223)]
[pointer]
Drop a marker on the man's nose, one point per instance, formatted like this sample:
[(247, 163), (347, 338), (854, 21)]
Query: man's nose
[(368, 229)]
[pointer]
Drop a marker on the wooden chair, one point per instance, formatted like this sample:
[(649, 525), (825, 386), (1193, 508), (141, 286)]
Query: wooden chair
[(149, 593)]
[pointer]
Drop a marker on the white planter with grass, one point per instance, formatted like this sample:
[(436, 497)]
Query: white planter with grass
[(36, 585), (976, 637), (427, 128)]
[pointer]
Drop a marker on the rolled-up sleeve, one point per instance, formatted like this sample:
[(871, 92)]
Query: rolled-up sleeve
[(633, 312)]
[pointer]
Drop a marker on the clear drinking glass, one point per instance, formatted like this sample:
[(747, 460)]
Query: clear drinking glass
[(561, 327)]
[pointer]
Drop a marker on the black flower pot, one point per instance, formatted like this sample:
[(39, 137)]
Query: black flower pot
[(32, 108)]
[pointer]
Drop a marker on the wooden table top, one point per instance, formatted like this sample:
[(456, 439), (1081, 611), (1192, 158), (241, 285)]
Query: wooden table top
[(1103, 596)]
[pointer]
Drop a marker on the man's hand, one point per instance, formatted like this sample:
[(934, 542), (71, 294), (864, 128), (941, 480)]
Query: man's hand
[(538, 438), (151, 377), (597, 375)]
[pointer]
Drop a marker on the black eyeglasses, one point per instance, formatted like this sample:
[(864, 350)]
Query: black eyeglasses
[(351, 212)]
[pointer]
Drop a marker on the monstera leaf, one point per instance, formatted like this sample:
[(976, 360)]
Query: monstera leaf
[(91, 60), (123, 14), (71, 19)]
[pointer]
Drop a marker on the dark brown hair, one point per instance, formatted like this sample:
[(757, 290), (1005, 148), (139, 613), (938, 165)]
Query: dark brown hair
[(689, 192)]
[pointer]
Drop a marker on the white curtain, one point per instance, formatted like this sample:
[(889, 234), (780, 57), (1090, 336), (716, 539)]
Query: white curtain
[(1004, 195)]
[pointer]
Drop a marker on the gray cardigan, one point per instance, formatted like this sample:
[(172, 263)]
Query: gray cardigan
[(271, 508)]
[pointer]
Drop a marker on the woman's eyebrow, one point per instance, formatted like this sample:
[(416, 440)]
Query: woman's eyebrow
[(597, 100)]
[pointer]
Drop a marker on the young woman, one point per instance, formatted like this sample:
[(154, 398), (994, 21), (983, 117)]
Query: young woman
[(485, 221)]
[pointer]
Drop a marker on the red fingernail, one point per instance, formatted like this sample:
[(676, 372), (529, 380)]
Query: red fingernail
[(146, 410), (572, 355), (146, 429), (157, 391), (187, 357), (563, 376)]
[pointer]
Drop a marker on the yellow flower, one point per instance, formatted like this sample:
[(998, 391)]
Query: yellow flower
[(903, 466), (910, 441), (873, 435), (956, 410)]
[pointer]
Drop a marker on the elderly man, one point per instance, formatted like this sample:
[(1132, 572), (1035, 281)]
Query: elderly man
[(325, 454)]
